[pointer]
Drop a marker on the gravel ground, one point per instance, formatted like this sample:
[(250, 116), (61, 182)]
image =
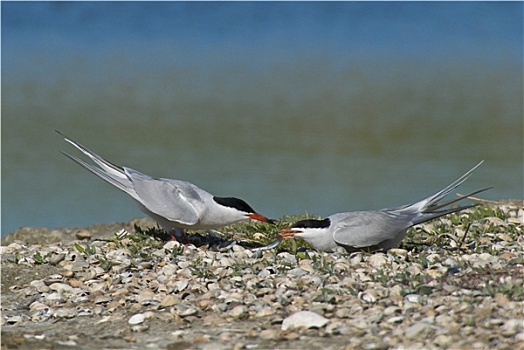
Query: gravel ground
[(455, 282)]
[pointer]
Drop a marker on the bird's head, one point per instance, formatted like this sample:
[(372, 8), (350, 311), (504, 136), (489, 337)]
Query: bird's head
[(242, 207), (305, 228)]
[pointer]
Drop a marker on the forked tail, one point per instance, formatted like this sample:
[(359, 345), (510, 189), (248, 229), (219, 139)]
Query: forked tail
[(113, 174), (431, 205)]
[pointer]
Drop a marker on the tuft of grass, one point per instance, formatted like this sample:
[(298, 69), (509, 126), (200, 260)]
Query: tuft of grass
[(323, 265), (105, 264), (87, 250), (257, 233), (484, 211), (201, 269), (176, 251), (327, 295), (39, 259), (152, 236)]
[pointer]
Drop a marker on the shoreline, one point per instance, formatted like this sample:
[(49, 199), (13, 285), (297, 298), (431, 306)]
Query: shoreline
[(444, 286)]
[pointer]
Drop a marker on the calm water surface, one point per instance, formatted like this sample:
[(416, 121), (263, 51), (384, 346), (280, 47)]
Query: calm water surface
[(295, 107)]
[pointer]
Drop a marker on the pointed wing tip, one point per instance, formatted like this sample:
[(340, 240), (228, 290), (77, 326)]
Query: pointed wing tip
[(475, 167), (66, 138)]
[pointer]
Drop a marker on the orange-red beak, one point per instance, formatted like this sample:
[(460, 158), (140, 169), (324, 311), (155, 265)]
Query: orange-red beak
[(260, 217), (288, 232)]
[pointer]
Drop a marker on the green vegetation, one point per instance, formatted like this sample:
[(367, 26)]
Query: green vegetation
[(468, 250)]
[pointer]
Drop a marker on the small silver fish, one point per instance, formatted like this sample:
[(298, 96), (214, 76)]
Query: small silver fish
[(271, 245)]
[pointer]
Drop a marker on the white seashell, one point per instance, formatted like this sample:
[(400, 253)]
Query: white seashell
[(297, 272), (396, 319), (413, 298), (61, 287), (188, 311), (65, 313), (367, 298), (377, 260), (304, 319), (37, 306), (238, 311), (101, 299), (136, 319), (171, 244), (180, 285)]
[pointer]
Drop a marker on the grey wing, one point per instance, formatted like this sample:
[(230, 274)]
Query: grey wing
[(170, 199), (367, 228)]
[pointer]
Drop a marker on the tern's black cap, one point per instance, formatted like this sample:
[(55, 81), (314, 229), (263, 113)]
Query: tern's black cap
[(312, 223), (235, 203)]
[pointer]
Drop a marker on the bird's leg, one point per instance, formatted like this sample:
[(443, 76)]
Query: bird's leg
[(172, 234), (179, 235)]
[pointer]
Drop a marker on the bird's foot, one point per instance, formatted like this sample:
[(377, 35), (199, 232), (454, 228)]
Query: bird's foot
[(180, 236)]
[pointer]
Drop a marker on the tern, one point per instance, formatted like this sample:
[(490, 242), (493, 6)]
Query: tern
[(377, 230), (174, 204)]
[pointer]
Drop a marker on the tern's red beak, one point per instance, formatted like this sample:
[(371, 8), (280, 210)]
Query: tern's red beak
[(260, 217), (288, 232)]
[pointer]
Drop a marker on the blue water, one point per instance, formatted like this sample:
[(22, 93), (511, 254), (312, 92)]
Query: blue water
[(296, 107)]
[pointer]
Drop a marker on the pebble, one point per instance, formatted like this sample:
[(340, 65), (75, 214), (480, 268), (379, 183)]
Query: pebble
[(36, 306), (83, 234), (395, 319), (355, 259), (442, 340), (54, 297), (367, 297), (342, 312), (10, 320), (168, 300), (365, 300), (297, 272), (187, 311), (65, 313), (75, 283), (238, 311), (269, 334), (266, 311), (392, 310), (304, 319), (288, 258), (171, 244), (180, 285), (398, 252), (378, 260), (61, 287), (55, 259), (102, 299), (40, 286), (267, 271), (413, 298), (55, 278), (511, 327), (416, 330)]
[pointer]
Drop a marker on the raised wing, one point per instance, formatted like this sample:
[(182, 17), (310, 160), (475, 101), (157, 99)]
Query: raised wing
[(367, 228), (171, 199)]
